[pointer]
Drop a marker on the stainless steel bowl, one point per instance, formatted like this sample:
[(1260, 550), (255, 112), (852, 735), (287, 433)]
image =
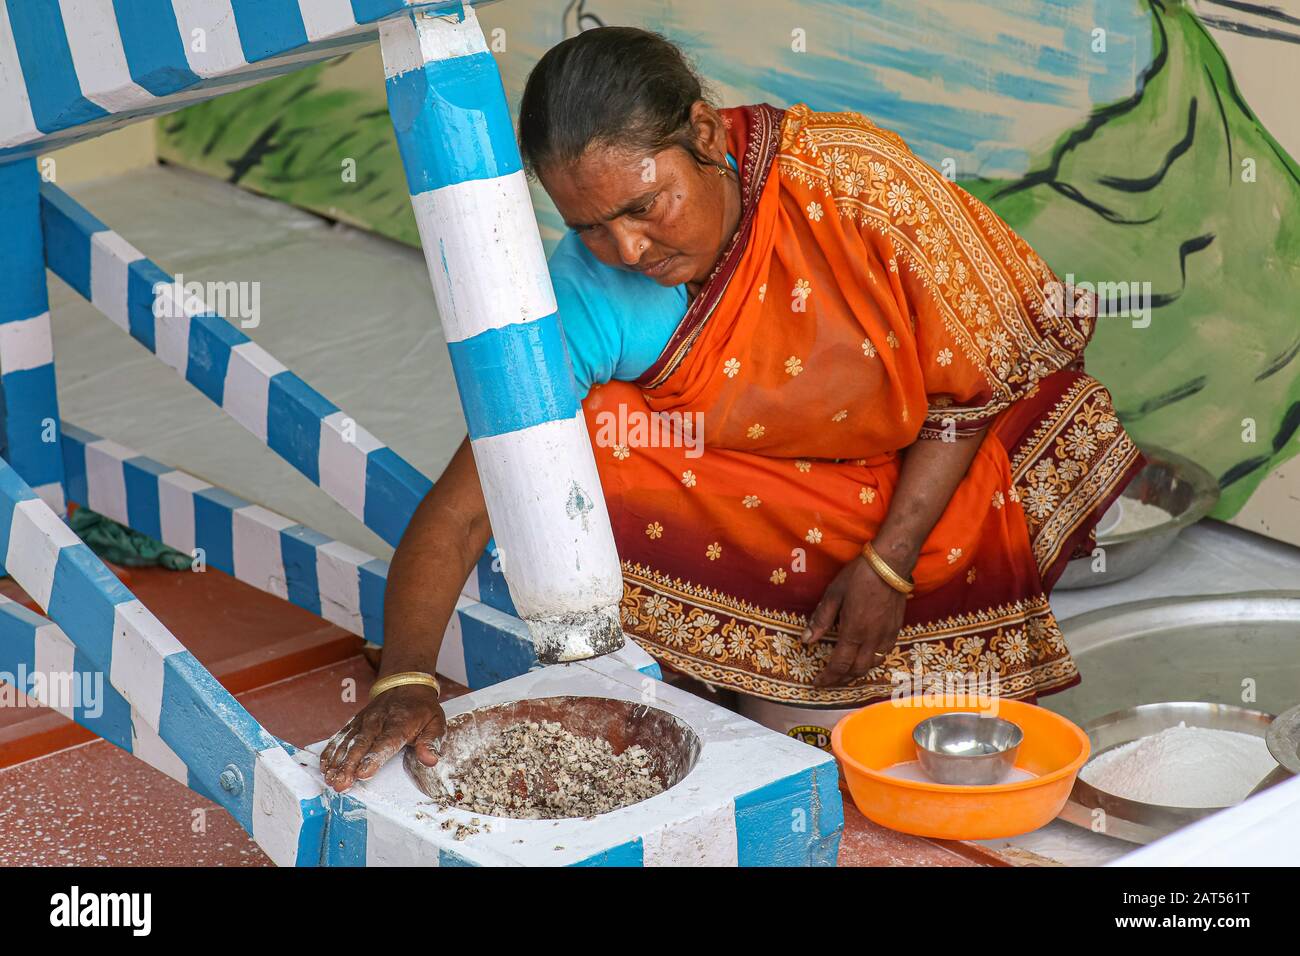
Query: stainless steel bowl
[(967, 748), (1132, 820), (1179, 486)]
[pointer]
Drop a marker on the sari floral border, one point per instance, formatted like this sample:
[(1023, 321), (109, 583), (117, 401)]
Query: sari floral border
[(731, 643), (1080, 439)]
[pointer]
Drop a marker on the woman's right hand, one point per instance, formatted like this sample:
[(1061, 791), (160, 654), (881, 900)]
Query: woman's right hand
[(409, 714)]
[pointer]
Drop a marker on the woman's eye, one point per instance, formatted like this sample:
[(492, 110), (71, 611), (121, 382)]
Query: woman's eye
[(647, 207)]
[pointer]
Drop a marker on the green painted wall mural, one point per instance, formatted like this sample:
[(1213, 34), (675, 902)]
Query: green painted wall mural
[(1118, 136)]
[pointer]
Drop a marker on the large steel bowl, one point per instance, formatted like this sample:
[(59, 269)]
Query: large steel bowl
[(1133, 820), (1169, 481)]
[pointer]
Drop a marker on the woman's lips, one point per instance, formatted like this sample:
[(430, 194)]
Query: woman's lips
[(659, 268)]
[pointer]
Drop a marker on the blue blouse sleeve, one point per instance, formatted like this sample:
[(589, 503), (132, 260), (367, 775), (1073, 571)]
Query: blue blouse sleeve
[(615, 323)]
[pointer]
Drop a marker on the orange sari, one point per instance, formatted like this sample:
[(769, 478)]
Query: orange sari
[(865, 303)]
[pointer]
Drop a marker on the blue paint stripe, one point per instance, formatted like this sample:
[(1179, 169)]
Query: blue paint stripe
[(631, 853), (52, 87), (74, 442), (102, 710), (143, 511), (22, 253), (394, 489), (154, 47), (346, 831), (213, 527), (453, 123), (778, 824), (32, 413), (450, 858), (210, 342), (82, 600), (268, 27), (298, 547), (514, 377), (18, 638), (373, 581), (367, 11), (493, 654), (209, 731), (68, 228), (142, 282), (315, 818), (293, 416)]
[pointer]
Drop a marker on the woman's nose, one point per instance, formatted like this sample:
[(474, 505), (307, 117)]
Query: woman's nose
[(630, 243)]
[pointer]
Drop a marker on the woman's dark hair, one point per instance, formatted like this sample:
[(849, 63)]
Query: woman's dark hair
[(611, 86)]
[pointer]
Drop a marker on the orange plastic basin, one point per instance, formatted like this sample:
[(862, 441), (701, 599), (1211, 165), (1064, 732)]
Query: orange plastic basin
[(872, 739)]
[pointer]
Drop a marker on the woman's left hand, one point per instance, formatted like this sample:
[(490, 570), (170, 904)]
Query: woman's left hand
[(870, 613)]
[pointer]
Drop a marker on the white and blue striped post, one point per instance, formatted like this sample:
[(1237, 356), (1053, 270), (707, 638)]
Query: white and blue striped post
[(499, 316), (30, 403)]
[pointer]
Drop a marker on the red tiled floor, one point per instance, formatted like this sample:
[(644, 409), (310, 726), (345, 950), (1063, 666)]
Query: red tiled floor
[(245, 637), (95, 805)]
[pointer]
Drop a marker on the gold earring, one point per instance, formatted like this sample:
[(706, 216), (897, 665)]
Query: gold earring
[(722, 171)]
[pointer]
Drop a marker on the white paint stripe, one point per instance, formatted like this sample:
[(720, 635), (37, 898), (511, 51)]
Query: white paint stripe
[(210, 36), (339, 582), (389, 843), (176, 509), (325, 19), (140, 643), (105, 479), (470, 589), (255, 534), (451, 653), (55, 658), (98, 57), (279, 787), (153, 750), (52, 495), (344, 446), (171, 333), (708, 839), (528, 508), (16, 122), (248, 377), (36, 536), (26, 344), (485, 255), (408, 42), (110, 257)]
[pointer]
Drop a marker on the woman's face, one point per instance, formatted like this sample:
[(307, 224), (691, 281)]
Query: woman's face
[(664, 215)]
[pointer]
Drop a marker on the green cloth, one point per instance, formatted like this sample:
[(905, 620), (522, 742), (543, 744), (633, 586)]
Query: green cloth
[(120, 545)]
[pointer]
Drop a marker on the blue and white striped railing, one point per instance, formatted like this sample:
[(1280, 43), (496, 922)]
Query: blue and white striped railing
[(498, 311), (370, 480), (166, 708), (30, 402), (73, 69), (482, 644)]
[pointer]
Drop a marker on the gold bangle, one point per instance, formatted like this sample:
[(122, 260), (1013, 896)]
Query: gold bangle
[(399, 680), (888, 574)]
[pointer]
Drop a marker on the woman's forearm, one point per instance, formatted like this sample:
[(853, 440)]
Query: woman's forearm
[(438, 550), (930, 473)]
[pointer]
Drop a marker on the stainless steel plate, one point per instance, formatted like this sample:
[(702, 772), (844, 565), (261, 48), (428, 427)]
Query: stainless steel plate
[(1209, 649), (1132, 820), (1179, 486), (1218, 648)]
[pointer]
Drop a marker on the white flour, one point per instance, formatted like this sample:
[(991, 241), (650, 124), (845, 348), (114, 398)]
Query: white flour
[(1137, 515), (1183, 767)]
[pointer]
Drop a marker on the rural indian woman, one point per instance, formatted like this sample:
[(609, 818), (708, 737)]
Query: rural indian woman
[(900, 447)]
